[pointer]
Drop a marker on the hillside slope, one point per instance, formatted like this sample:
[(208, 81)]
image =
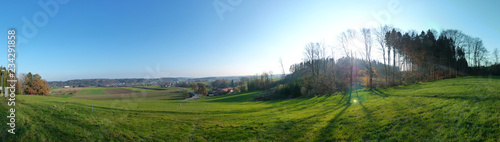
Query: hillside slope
[(453, 110)]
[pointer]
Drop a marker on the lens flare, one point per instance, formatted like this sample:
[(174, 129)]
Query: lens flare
[(355, 100)]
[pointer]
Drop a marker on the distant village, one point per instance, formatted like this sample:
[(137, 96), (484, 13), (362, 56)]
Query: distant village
[(213, 89), (164, 82)]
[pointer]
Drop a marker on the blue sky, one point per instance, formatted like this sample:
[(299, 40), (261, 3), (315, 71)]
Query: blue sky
[(166, 38)]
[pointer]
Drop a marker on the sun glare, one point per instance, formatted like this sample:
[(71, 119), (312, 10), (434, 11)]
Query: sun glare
[(355, 100)]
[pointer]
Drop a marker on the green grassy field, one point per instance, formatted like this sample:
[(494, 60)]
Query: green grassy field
[(91, 91), (100, 90), (461, 109), (154, 87), (134, 89), (167, 94)]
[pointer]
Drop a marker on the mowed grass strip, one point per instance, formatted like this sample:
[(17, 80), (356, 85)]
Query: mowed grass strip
[(140, 89), (152, 88), (91, 91), (461, 109), (101, 90), (132, 89), (156, 87), (114, 94), (118, 91)]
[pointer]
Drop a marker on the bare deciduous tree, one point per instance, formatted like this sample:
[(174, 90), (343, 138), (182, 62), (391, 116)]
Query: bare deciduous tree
[(311, 55), (283, 68), (367, 40), (459, 38), (479, 51), (344, 39), (380, 38), (495, 54), (469, 44)]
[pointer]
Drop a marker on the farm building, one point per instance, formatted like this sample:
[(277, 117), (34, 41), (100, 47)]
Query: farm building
[(212, 93), (226, 90)]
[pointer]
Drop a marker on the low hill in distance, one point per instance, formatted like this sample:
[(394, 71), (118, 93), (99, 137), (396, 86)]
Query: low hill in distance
[(139, 81)]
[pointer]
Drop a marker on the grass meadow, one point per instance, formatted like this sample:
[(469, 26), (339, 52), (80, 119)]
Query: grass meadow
[(91, 91), (101, 90), (460, 109)]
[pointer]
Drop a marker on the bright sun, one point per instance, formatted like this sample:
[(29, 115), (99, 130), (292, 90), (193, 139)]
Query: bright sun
[(355, 100)]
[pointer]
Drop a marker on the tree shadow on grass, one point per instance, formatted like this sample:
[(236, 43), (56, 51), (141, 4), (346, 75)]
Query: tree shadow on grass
[(486, 77), (379, 93), (455, 96), (305, 124), (343, 96), (297, 129), (239, 97), (327, 130), (300, 104), (368, 112), (369, 116)]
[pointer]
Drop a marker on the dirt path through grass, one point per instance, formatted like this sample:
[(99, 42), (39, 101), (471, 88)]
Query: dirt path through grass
[(196, 96)]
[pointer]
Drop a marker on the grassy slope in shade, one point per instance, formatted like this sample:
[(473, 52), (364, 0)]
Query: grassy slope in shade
[(460, 109)]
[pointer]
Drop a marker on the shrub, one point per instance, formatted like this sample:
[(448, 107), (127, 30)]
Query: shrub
[(236, 90), (290, 90), (243, 88), (186, 94)]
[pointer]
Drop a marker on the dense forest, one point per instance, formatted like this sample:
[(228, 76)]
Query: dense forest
[(407, 57)]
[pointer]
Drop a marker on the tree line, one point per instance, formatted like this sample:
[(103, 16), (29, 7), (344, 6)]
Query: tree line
[(28, 84), (407, 57), (33, 84)]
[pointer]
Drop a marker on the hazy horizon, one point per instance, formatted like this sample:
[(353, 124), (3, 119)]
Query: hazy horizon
[(274, 75)]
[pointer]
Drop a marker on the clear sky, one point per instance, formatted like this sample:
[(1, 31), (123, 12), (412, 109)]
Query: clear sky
[(188, 38)]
